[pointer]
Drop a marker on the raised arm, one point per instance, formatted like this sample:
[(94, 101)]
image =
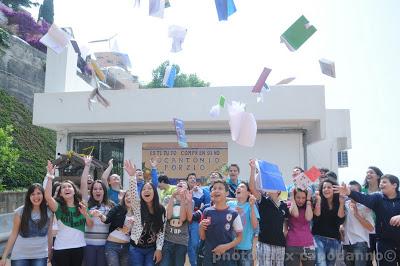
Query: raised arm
[(252, 180), (51, 202), (293, 210), (107, 172), (130, 168), (371, 201), (189, 205), (170, 206), (317, 209), (253, 212), (154, 173), (309, 210), (84, 178)]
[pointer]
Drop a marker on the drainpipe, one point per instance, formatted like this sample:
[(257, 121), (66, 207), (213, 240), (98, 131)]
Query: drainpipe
[(305, 166)]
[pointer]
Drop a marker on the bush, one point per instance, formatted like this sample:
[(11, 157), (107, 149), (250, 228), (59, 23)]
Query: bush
[(35, 144)]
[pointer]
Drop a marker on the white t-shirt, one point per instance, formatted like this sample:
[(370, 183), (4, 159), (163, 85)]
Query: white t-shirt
[(354, 232)]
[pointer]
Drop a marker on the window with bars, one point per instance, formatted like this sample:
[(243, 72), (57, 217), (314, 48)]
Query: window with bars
[(343, 160), (102, 149)]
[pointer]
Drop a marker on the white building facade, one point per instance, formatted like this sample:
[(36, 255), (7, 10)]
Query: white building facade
[(294, 127)]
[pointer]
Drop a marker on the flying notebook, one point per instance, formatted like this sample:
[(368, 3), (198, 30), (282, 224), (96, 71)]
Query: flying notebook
[(169, 76), (269, 177), (180, 132), (225, 8), (261, 81), (298, 33), (327, 67)]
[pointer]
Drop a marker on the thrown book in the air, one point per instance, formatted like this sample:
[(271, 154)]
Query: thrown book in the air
[(260, 84), (298, 33), (225, 8), (269, 177), (327, 67), (169, 76), (180, 132)]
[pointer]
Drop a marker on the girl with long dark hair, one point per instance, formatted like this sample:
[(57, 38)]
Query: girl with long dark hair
[(120, 218), (95, 236), (299, 240), (30, 238), (329, 214), (72, 216), (147, 235)]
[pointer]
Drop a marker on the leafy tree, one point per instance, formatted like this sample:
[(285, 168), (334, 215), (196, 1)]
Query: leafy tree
[(9, 155), (181, 79), (46, 11), (16, 4)]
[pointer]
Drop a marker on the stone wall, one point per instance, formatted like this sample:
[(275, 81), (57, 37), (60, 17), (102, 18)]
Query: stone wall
[(9, 201), (22, 70)]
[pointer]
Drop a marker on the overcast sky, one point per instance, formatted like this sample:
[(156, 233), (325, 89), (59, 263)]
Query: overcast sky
[(361, 36)]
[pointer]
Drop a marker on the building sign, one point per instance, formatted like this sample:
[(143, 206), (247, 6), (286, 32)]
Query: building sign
[(176, 162)]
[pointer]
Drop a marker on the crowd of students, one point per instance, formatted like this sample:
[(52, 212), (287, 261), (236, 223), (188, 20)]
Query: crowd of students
[(226, 222)]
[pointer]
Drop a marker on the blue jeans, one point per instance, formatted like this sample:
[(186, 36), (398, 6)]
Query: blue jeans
[(226, 259), (387, 254), (173, 254), (194, 239), (141, 256), (356, 254), (94, 255), (243, 257), (30, 262), (116, 254), (326, 250)]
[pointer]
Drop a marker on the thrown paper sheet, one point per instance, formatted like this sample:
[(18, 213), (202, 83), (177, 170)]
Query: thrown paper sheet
[(56, 39), (156, 8), (95, 95), (285, 81), (216, 109), (242, 124), (178, 34)]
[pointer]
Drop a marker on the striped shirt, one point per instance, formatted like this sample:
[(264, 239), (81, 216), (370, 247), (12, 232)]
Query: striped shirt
[(98, 233)]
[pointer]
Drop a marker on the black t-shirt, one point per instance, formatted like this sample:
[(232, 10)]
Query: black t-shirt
[(271, 221), (328, 223)]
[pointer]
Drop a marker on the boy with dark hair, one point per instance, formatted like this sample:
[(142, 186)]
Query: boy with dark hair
[(233, 180), (358, 225), (217, 228), (273, 216), (199, 198)]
